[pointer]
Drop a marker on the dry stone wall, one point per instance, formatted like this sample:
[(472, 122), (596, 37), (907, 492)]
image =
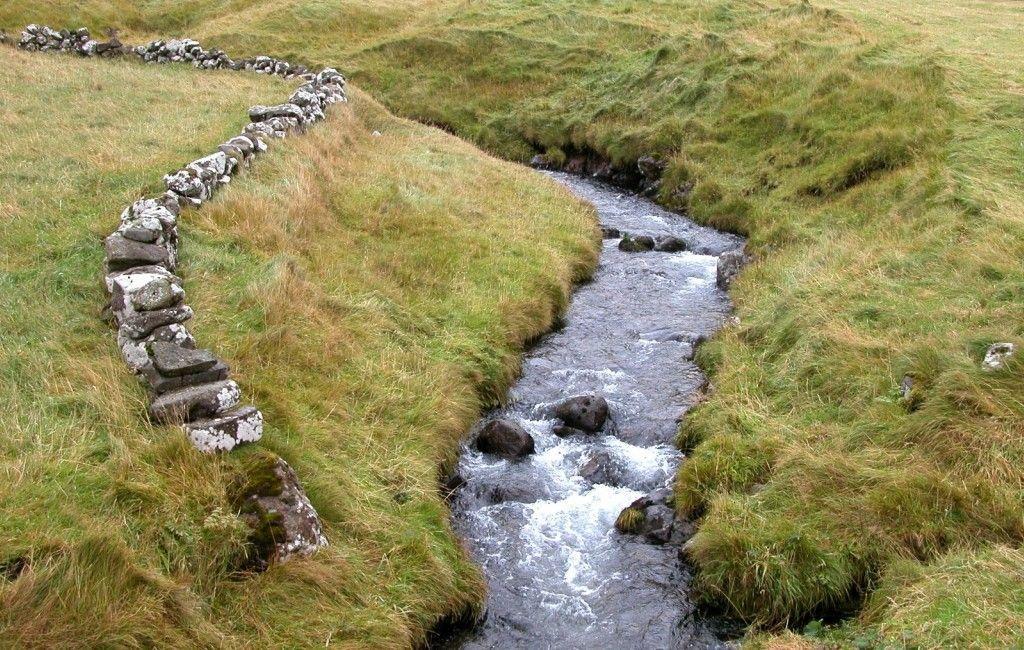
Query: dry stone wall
[(190, 386)]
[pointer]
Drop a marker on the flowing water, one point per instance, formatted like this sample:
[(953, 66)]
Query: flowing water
[(559, 574)]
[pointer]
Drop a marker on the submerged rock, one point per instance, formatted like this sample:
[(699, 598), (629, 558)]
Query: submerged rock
[(585, 412), (283, 522), (451, 484), (564, 431), (997, 356), (670, 244), (638, 244), (603, 468), (505, 438)]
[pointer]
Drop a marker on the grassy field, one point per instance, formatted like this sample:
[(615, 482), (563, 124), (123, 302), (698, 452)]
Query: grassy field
[(872, 151), (369, 292)]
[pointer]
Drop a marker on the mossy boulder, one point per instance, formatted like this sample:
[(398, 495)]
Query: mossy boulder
[(266, 492), (650, 516)]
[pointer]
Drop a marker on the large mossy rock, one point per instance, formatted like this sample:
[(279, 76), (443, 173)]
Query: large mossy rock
[(283, 523)]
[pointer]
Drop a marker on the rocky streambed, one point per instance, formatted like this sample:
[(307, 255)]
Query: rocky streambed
[(545, 479)]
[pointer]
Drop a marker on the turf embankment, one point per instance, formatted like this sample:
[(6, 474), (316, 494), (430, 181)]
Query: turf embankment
[(873, 154), (369, 292)]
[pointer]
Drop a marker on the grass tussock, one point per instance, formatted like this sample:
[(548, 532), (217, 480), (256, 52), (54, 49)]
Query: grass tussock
[(965, 599), (370, 293)]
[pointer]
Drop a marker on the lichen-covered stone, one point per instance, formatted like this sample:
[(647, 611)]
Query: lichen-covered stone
[(137, 325), (173, 360), (136, 352), (159, 293), (194, 402), (227, 431), (161, 384), (124, 285), (264, 113), (997, 355)]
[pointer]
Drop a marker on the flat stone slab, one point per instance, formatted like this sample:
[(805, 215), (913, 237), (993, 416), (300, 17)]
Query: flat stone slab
[(195, 402), (140, 324), (123, 253), (161, 384), (173, 360), (227, 431), (263, 113)]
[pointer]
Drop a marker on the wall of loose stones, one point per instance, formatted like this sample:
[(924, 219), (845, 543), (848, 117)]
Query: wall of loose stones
[(190, 386)]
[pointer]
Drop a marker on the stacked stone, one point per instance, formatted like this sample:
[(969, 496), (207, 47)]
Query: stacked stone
[(305, 107), (189, 386), (270, 65), (39, 38), (188, 50), (184, 49)]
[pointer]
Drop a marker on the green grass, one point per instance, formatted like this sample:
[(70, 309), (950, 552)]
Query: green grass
[(872, 151), (370, 293)]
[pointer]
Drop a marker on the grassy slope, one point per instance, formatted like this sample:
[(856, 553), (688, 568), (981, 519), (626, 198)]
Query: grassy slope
[(874, 157), (364, 309)]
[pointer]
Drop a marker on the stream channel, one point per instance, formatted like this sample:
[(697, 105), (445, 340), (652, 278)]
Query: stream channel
[(542, 527)]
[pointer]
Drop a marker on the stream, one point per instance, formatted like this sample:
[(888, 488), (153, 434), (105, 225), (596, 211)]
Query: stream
[(542, 528)]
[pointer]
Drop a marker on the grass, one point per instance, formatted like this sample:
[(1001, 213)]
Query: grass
[(872, 151), (371, 293)]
